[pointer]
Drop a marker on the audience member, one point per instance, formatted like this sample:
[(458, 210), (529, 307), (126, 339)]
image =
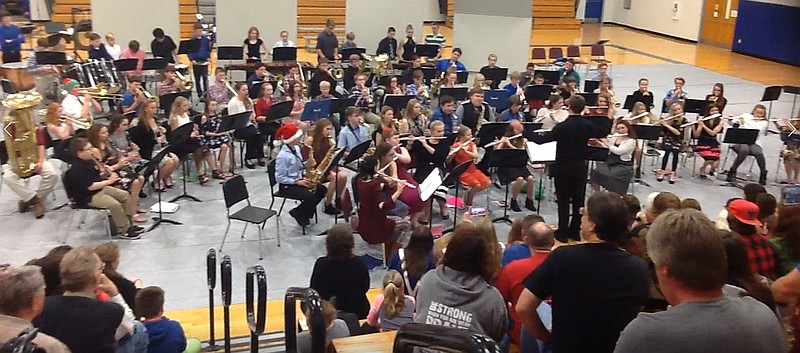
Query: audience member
[(540, 238), (458, 294), (690, 265), (520, 249), (597, 274), (110, 256), (334, 328), (634, 207), (751, 192), (415, 259), (166, 336), (50, 266), (741, 280), (691, 203), (485, 227), (391, 309), (341, 274), (785, 239), (766, 211), (21, 300), (743, 219)]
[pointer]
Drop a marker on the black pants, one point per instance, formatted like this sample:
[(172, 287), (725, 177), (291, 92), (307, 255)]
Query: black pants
[(200, 79), (10, 56), (253, 141), (674, 151), (268, 131), (570, 182), (308, 199)]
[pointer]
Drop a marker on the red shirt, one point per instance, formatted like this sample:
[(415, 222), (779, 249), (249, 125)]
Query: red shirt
[(760, 255), (373, 224), (262, 106), (509, 283)]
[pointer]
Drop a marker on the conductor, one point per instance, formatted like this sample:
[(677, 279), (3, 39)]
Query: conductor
[(570, 167)]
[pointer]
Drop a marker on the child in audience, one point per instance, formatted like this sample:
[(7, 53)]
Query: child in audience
[(334, 328), (391, 309), (691, 203), (634, 206), (166, 336)]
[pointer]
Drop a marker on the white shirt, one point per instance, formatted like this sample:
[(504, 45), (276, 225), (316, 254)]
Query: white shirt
[(281, 43), (624, 150), (235, 106), (750, 122), (183, 119), (115, 51), (72, 106), (543, 116)]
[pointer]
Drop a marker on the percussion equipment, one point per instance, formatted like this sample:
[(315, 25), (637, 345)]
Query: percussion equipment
[(92, 73), (18, 74)]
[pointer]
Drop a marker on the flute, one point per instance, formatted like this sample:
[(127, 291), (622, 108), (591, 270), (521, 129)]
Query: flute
[(383, 169), (418, 138), (597, 107), (636, 116), (672, 117), (397, 180), (495, 142), (710, 117), (617, 135), (460, 147)]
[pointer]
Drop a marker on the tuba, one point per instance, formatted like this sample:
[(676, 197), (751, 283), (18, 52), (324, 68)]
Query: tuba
[(316, 173), (20, 132)]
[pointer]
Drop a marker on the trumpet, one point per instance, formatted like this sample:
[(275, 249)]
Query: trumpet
[(396, 180), (185, 83), (419, 138), (99, 91), (710, 117), (495, 142), (638, 116), (80, 124)]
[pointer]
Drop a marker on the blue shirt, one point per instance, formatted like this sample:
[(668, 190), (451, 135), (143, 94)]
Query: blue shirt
[(13, 33), (289, 166), (511, 89), (515, 252), (202, 53), (165, 336), (127, 100), (351, 137), (507, 115), (444, 64), (98, 53), (451, 123)]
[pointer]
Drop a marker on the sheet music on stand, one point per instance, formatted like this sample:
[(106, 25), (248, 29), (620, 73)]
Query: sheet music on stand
[(429, 186), (537, 153)]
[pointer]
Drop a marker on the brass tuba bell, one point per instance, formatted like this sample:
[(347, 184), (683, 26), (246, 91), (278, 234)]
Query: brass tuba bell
[(20, 132)]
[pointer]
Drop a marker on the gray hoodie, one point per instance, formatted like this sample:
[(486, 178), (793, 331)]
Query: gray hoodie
[(451, 298)]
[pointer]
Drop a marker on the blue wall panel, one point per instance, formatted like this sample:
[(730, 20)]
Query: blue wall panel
[(770, 31)]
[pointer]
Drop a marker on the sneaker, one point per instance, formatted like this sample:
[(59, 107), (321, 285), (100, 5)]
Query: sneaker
[(23, 206), (38, 208), (132, 234), (529, 205), (331, 210), (302, 221), (515, 206)]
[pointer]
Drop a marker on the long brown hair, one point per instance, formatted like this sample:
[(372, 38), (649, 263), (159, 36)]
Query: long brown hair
[(739, 272), (51, 118), (108, 254), (418, 251), (468, 252), (317, 135), (93, 135), (788, 228)]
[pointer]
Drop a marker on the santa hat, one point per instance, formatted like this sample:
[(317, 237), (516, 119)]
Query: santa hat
[(285, 134), (70, 83)]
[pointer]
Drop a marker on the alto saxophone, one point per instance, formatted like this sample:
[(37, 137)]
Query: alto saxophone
[(20, 132), (316, 173)]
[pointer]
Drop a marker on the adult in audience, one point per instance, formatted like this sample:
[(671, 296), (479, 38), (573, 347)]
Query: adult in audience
[(521, 249), (691, 203), (334, 328), (743, 219), (767, 208), (21, 300), (415, 259), (691, 268), (539, 237), (50, 266), (166, 336), (110, 256), (341, 274), (77, 318), (458, 294), (741, 280), (597, 274), (785, 239), (392, 308)]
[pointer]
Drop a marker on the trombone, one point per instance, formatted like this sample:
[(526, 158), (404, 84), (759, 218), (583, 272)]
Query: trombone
[(186, 84), (99, 91), (84, 124)]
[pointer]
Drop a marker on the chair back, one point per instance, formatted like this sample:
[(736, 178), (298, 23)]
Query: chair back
[(573, 51), (271, 174), (555, 53), (69, 190), (234, 191), (598, 50), (8, 86), (538, 54)]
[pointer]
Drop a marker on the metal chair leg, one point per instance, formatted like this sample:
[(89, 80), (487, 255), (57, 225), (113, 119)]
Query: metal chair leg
[(260, 245), (225, 236), (281, 209), (107, 224), (245, 229)]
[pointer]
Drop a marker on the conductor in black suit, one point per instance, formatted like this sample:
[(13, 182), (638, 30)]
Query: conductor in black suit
[(570, 167)]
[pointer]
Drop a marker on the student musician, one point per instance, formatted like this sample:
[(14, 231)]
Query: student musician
[(218, 91), (514, 111), (364, 100), (289, 172), (414, 121), (148, 134), (375, 226), (297, 96), (388, 45), (388, 125), (569, 71), (616, 173), (436, 38), (717, 96), (605, 88), (253, 45), (757, 119), (350, 72), (169, 83), (671, 141), (179, 116), (419, 89), (133, 98), (318, 143), (515, 86), (446, 115), (259, 76), (75, 107), (536, 80), (200, 60), (569, 169), (603, 107), (639, 108), (465, 150), (791, 148), (480, 82), (450, 79), (491, 64), (474, 112), (602, 72), (265, 101), (354, 133), (321, 74), (516, 175), (394, 86), (34, 195), (324, 92), (445, 64), (528, 75), (707, 144), (567, 88), (254, 150), (553, 113), (96, 48), (407, 45), (676, 94), (59, 130), (209, 124), (431, 154), (643, 94), (399, 169)]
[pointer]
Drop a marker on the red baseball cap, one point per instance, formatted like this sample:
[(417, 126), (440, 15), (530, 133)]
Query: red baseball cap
[(745, 211)]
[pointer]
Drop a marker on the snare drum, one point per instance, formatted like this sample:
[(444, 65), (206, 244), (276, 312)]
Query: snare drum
[(19, 75)]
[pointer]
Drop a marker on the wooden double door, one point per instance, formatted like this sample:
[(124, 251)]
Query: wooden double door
[(719, 22)]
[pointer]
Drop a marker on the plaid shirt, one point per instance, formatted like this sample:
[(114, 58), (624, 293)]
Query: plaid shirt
[(356, 94), (760, 255)]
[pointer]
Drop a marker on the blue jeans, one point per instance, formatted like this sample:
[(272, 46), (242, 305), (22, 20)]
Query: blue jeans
[(136, 342), (530, 344)]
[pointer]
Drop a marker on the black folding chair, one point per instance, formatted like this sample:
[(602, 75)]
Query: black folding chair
[(272, 183), (107, 223), (235, 191)]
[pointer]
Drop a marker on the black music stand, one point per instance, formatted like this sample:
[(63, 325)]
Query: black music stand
[(491, 132), (458, 93), (497, 98), (550, 76), (230, 53), (590, 85), (772, 93), (284, 54), (462, 77), (189, 46), (427, 50), (738, 136), (453, 178), (355, 155), (234, 121), (510, 158), (541, 153), (496, 75), (152, 166), (398, 102), (591, 98), (165, 101), (629, 102), (180, 136), (126, 64), (346, 53), (644, 133), (428, 74), (428, 187), (694, 105), (529, 129), (255, 90), (538, 92), (154, 64), (795, 91), (51, 58)]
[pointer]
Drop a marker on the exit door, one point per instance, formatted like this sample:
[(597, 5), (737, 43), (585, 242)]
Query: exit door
[(594, 9), (719, 22)]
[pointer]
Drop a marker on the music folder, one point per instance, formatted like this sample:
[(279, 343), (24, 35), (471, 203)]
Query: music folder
[(497, 98), (541, 153), (538, 92), (235, 121), (284, 54), (315, 110), (429, 186)]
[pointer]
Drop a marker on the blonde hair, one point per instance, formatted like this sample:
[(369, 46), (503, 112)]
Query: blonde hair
[(394, 301), (176, 105), (328, 314), (78, 268), (486, 228)]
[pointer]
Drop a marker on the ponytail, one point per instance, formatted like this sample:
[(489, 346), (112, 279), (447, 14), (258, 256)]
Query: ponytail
[(393, 299)]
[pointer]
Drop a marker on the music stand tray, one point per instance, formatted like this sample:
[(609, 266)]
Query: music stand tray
[(54, 27), (284, 54), (189, 46), (458, 93), (154, 64), (740, 136), (397, 101), (538, 92), (496, 75), (180, 136), (51, 58), (126, 64), (166, 100), (346, 53), (497, 98), (314, 110), (648, 132), (230, 53), (427, 50), (234, 121), (355, 154), (462, 77), (694, 105), (529, 129), (428, 74), (772, 93), (490, 132), (550, 77)]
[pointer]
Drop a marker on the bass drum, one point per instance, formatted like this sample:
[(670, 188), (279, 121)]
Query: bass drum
[(18, 74)]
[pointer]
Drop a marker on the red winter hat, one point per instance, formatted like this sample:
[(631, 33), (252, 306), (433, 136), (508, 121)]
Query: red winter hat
[(287, 133), (744, 211)]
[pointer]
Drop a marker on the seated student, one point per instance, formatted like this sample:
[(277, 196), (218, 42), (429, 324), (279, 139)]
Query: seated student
[(96, 48), (535, 80), (209, 124), (21, 300), (518, 246), (419, 89), (675, 95), (514, 87), (334, 328), (516, 175), (324, 92), (342, 274), (475, 111), (34, 194), (552, 114), (514, 111), (463, 151), (218, 91), (616, 172), (88, 186), (169, 82), (166, 336), (602, 72), (569, 71), (354, 133), (391, 309), (289, 171), (317, 145), (415, 259), (392, 159), (445, 114), (491, 64), (132, 99), (179, 116), (149, 135)]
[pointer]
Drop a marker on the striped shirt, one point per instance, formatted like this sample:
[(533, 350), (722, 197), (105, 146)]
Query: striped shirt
[(435, 39)]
